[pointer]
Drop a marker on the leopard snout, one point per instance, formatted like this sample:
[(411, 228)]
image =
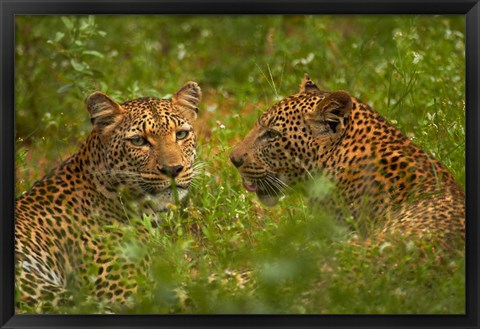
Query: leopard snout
[(237, 161), (171, 171)]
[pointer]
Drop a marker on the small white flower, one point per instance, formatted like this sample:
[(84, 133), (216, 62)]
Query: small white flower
[(397, 34), (181, 51), (211, 108), (417, 57), (304, 61), (221, 125)]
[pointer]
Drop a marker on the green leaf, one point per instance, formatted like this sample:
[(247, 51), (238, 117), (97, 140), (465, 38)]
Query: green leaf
[(80, 67), (65, 88), (93, 53), (86, 24), (91, 20), (83, 25), (59, 36), (68, 22)]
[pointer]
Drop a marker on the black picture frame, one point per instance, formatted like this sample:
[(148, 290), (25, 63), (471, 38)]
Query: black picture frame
[(469, 8)]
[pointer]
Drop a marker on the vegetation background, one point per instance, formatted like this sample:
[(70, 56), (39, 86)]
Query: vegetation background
[(222, 251)]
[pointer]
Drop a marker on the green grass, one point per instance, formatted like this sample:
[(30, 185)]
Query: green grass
[(222, 251)]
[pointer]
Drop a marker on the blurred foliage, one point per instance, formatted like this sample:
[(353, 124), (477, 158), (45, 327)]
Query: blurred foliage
[(222, 252)]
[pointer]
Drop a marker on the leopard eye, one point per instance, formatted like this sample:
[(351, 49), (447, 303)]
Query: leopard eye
[(138, 141), (182, 134), (271, 135)]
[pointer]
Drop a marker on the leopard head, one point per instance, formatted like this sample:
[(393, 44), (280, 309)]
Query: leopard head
[(145, 146), (291, 140)]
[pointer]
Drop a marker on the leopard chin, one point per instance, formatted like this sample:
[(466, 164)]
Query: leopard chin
[(152, 205), (268, 200)]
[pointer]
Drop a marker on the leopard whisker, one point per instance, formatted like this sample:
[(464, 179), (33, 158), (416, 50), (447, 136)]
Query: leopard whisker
[(270, 186), (275, 187), (199, 165), (279, 183), (307, 171), (266, 184)]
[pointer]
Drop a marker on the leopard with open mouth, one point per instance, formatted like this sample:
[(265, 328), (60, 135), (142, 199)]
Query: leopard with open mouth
[(378, 173)]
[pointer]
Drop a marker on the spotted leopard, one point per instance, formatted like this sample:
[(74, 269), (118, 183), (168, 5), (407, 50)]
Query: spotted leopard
[(138, 158), (377, 172)]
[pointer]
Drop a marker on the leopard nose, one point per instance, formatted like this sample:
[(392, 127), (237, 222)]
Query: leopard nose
[(171, 171), (237, 162)]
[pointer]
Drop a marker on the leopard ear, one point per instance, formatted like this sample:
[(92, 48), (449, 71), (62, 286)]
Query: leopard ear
[(331, 112), (308, 85), (186, 100), (105, 113)]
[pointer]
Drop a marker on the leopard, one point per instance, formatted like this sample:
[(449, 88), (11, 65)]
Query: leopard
[(372, 172), (138, 159)]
